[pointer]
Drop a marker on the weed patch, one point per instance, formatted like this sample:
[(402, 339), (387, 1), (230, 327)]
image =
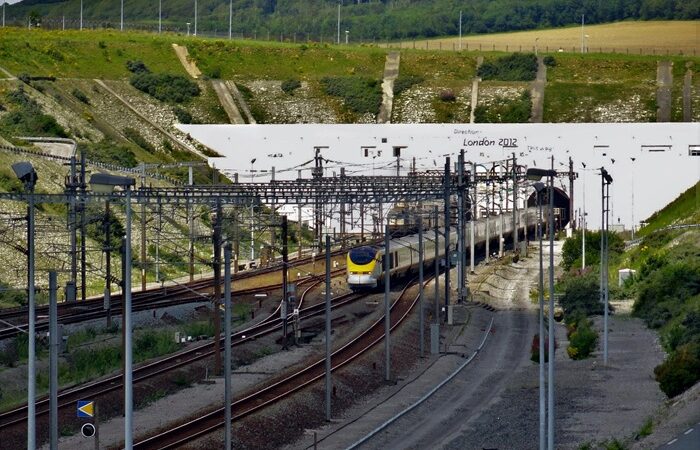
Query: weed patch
[(359, 94)]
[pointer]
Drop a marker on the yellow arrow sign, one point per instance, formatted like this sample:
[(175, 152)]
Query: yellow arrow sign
[(86, 408)]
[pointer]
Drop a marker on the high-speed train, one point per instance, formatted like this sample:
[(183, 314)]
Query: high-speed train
[(365, 265)]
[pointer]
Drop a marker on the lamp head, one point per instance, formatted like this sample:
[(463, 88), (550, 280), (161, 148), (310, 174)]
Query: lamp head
[(25, 173), (535, 174), (105, 183)]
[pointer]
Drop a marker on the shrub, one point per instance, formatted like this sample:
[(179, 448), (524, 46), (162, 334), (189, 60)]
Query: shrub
[(24, 78), (80, 95), (447, 96), (549, 61), (214, 72), (581, 295), (183, 116), (109, 152), (136, 137), (505, 110), (360, 94), (515, 67), (28, 119), (165, 87), (571, 251), (582, 340), (137, 67), (680, 371), (102, 44), (535, 349), (289, 86), (665, 290), (405, 82)]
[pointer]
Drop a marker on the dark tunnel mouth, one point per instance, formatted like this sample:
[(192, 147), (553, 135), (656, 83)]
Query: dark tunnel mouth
[(561, 201)]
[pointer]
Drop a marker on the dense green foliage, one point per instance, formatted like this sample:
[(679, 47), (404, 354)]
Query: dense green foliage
[(165, 87), (665, 289), (680, 371), (109, 152), (289, 86), (571, 251), (26, 118), (404, 82), (513, 67), (134, 136), (80, 95), (360, 94), (581, 294), (504, 110), (366, 20), (183, 116), (582, 338), (683, 209)]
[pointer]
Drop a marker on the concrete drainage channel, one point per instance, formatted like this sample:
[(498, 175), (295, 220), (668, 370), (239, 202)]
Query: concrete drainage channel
[(420, 401)]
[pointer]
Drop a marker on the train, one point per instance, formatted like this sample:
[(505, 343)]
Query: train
[(365, 264)]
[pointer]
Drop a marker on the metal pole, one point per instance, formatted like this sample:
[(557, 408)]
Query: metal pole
[(387, 309), (605, 277), (121, 23), (53, 361), (160, 15), (227, 344), (515, 204), (583, 220), (108, 267), (420, 285), (31, 359), (488, 234), (460, 30), (472, 223), (543, 413), (217, 287), (128, 386), (447, 235), (81, 15), (550, 366), (195, 17), (338, 41), (328, 328), (437, 266), (83, 231), (230, 24), (285, 290), (460, 227)]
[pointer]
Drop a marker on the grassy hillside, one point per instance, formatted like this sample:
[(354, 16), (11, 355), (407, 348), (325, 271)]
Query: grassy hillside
[(685, 209)]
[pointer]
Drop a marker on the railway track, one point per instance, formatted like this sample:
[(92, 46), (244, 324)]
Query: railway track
[(75, 312), (68, 397), (242, 407)]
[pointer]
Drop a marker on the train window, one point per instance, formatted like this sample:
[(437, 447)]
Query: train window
[(362, 255)]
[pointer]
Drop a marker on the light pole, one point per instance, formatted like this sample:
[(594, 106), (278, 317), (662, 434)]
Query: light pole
[(121, 23), (160, 15), (81, 15), (540, 188), (252, 211), (583, 234), (26, 174), (633, 224), (188, 28), (105, 183), (338, 41), (195, 17), (460, 30), (347, 36), (605, 180), (537, 174), (230, 18), (3, 13)]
